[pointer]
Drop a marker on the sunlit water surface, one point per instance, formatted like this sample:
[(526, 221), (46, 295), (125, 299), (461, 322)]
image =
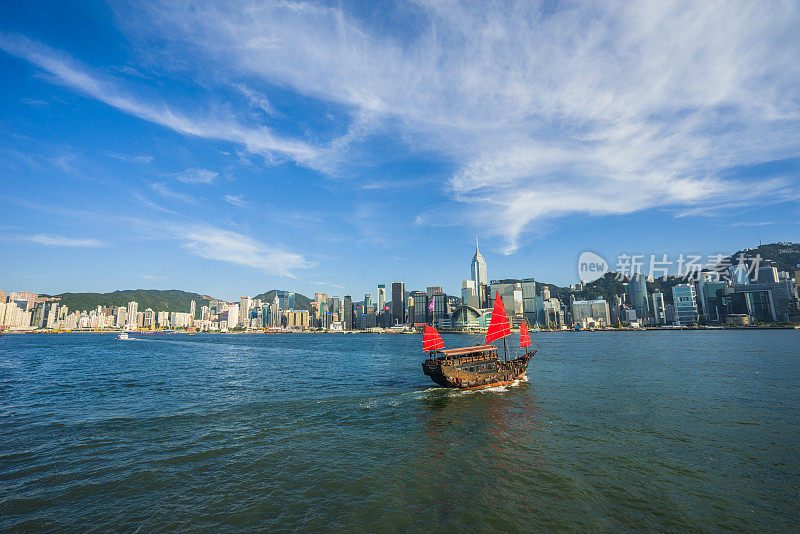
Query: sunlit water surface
[(611, 431)]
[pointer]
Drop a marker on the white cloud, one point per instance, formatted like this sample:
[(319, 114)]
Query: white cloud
[(165, 191), (197, 176), (66, 71), (224, 245), (235, 200), (544, 109), (131, 159), (52, 240)]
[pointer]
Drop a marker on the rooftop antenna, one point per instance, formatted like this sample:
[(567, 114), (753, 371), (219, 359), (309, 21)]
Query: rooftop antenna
[(476, 242)]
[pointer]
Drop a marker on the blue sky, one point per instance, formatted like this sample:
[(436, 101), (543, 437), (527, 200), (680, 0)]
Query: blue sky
[(230, 148)]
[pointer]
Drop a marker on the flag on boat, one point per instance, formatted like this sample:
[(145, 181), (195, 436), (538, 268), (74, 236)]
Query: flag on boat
[(524, 336), (430, 306), (498, 327), (431, 340)]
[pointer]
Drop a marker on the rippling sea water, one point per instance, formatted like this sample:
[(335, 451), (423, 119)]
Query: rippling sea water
[(611, 431)]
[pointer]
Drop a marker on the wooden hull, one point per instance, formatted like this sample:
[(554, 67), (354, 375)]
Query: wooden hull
[(476, 373)]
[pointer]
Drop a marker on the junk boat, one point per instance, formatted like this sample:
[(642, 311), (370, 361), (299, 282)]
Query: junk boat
[(479, 366)]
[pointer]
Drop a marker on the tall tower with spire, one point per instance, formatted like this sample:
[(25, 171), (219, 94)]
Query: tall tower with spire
[(479, 275)]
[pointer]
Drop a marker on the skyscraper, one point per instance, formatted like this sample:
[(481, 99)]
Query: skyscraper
[(244, 310), (430, 290), (636, 293), (192, 310), (439, 306), (685, 300), (421, 314), (348, 312), (469, 296), (381, 297), (133, 311), (659, 309), (233, 315), (479, 276), (398, 302)]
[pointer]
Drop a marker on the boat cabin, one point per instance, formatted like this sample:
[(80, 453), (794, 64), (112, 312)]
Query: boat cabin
[(468, 354)]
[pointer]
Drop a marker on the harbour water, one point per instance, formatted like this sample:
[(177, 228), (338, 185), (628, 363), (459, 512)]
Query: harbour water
[(612, 431)]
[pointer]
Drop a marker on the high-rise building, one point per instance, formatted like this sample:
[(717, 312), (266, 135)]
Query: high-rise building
[(348, 312), (707, 287), (233, 315), (685, 300), (381, 297), (430, 290), (133, 312), (193, 310), (149, 318), (469, 294), (636, 295), (528, 303), (479, 276), (510, 291), (367, 301), (585, 312), (768, 274), (398, 302), (439, 306), (244, 311), (286, 300), (659, 309), (421, 315)]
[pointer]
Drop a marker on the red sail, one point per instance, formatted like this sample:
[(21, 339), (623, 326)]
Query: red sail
[(431, 340), (499, 326), (524, 336)]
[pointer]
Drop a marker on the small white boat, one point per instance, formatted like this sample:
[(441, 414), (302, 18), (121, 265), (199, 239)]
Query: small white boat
[(123, 335)]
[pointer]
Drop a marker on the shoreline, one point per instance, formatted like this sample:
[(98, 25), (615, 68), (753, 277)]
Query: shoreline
[(463, 332)]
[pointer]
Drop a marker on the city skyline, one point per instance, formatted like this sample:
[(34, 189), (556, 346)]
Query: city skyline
[(140, 152), (734, 290)]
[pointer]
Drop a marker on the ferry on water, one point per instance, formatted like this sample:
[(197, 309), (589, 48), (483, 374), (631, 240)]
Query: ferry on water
[(123, 336), (478, 366)]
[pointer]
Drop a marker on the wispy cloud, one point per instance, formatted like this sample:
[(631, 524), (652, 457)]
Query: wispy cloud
[(52, 240), (151, 277), (65, 70), (197, 176), (544, 110), (745, 224), (131, 159), (164, 190), (541, 110), (235, 200), (224, 245)]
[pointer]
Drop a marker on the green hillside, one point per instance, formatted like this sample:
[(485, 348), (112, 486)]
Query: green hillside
[(785, 256), (171, 300), (301, 302)]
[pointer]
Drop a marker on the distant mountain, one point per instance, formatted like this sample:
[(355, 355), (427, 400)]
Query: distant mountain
[(785, 256), (171, 300), (301, 302)]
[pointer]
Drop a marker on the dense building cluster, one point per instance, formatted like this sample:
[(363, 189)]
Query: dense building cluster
[(745, 293)]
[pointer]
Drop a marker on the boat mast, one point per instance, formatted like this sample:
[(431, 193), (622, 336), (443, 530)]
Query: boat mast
[(505, 349)]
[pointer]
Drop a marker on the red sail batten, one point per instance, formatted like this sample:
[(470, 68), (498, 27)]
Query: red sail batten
[(524, 336), (498, 327), (431, 340)]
